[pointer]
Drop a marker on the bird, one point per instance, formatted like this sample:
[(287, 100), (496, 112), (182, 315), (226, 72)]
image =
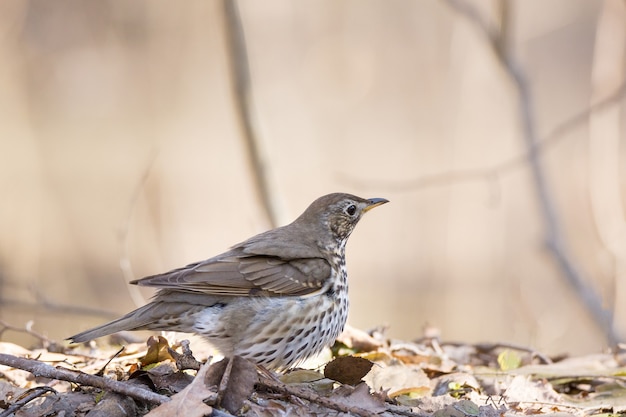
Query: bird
[(276, 299)]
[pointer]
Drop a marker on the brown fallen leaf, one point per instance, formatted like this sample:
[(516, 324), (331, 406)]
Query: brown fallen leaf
[(158, 351), (380, 357), (347, 369), (167, 379), (189, 402), (54, 405), (278, 408), (360, 397), (240, 382), (448, 411), (113, 405), (310, 378)]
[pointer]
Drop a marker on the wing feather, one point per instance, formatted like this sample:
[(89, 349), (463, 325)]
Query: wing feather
[(241, 273)]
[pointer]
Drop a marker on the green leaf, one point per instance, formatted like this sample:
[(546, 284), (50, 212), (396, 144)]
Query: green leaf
[(509, 360)]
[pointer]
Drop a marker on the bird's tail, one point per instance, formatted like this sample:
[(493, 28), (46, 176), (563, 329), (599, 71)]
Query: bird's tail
[(170, 310), (139, 319)]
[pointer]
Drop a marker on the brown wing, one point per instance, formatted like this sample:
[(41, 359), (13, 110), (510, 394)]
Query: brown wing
[(237, 273)]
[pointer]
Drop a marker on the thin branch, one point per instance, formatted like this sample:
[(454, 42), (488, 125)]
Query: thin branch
[(500, 169), (25, 398), (41, 369), (242, 95), (123, 237), (313, 397), (53, 308), (554, 235), (533, 353), (27, 329)]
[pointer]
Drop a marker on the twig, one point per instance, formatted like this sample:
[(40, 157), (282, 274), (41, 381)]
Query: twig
[(27, 329), (220, 413), (43, 304), (554, 235), (278, 386), (221, 390), (404, 411), (507, 166), (486, 347), (46, 342), (241, 85), (25, 398), (115, 355), (498, 170), (41, 369), (123, 234)]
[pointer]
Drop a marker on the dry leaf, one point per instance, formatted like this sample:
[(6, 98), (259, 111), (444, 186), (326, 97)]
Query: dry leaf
[(277, 408), (189, 402), (13, 349), (241, 381), (522, 389), (360, 397), (312, 379), (166, 378), (467, 407), (358, 340), (449, 411), (432, 404), (380, 357), (56, 405), (158, 351), (399, 380), (347, 369), (301, 376), (114, 405)]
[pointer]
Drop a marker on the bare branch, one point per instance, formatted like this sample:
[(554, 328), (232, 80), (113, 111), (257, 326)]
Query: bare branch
[(554, 235), (25, 398), (41, 369), (42, 304), (500, 169), (310, 395), (242, 95), (123, 234), (27, 329)]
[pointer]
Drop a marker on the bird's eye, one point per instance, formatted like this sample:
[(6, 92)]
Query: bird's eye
[(351, 209)]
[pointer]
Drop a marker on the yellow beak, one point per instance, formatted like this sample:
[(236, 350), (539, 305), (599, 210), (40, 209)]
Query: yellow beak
[(374, 202)]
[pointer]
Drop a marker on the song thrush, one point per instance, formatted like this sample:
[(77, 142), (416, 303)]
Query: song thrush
[(276, 299)]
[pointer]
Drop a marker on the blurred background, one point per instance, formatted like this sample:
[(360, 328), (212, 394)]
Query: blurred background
[(123, 154)]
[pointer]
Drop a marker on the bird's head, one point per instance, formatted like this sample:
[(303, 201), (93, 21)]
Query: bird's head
[(339, 213)]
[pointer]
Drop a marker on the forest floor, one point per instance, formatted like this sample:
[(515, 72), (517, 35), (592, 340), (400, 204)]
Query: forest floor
[(365, 374)]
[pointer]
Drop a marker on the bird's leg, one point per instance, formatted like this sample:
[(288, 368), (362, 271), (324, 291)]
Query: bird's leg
[(266, 373)]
